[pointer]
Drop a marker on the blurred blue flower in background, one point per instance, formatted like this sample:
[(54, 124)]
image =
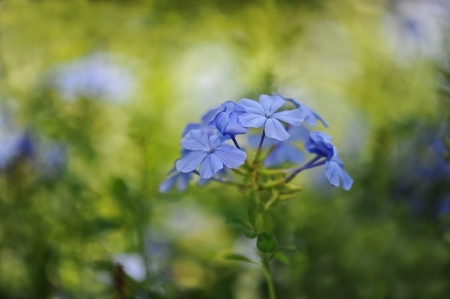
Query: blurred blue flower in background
[(15, 142), (19, 145), (417, 29), (96, 76), (133, 265)]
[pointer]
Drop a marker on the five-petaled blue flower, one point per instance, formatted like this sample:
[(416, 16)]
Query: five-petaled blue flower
[(264, 114), (319, 143), (209, 152)]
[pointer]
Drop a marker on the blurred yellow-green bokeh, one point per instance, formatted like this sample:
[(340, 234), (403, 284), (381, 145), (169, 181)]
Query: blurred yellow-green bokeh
[(81, 215)]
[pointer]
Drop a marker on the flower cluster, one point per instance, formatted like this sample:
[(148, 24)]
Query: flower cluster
[(22, 145), (96, 76), (210, 148)]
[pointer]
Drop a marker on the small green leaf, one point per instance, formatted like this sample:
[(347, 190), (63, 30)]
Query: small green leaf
[(250, 234), (282, 258), (288, 247), (266, 242), (239, 257), (238, 223)]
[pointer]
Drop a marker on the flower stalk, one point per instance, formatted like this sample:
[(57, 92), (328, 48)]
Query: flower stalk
[(206, 154)]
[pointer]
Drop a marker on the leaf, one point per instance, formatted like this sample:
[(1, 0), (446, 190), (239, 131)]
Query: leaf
[(239, 257), (266, 242), (289, 247), (282, 258), (250, 234), (238, 223)]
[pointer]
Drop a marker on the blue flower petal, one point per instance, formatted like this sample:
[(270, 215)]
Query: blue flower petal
[(168, 183), (191, 161), (332, 173), (335, 173), (209, 116), (347, 181), (234, 126), (271, 103), (210, 166), (293, 117), (196, 140), (191, 126), (251, 106), (230, 156), (254, 139), (221, 121), (309, 115), (252, 120), (275, 129), (300, 133), (283, 153), (183, 180)]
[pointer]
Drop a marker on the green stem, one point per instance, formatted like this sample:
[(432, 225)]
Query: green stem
[(258, 151), (269, 281)]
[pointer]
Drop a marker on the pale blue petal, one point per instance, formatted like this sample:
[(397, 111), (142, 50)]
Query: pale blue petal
[(271, 104), (251, 106), (196, 140), (191, 161), (182, 179), (335, 173), (284, 153), (292, 154), (221, 121), (252, 120), (230, 156), (167, 184), (234, 127), (253, 141), (309, 115), (275, 129), (300, 133), (191, 126), (210, 166), (347, 181), (332, 173), (209, 116), (292, 117), (216, 140)]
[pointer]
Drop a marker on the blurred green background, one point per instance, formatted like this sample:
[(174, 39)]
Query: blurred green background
[(94, 96)]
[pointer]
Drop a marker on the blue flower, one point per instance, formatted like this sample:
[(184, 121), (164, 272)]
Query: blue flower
[(208, 152), (226, 120), (309, 115), (264, 114), (319, 143), (283, 151), (179, 178), (96, 76)]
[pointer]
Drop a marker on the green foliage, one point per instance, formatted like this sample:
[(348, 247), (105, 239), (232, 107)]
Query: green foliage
[(266, 242)]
